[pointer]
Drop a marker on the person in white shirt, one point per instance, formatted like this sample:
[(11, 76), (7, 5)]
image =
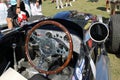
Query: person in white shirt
[(36, 7), (3, 13)]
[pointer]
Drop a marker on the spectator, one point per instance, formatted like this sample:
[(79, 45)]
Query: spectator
[(27, 7), (107, 5), (68, 3), (114, 3), (59, 4), (15, 7), (3, 13), (36, 7)]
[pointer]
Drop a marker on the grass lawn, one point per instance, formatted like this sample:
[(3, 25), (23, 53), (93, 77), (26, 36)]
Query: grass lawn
[(49, 9)]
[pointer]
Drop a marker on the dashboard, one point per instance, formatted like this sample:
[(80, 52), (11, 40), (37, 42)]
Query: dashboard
[(62, 39)]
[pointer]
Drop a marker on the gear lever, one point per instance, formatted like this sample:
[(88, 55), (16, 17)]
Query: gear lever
[(14, 56)]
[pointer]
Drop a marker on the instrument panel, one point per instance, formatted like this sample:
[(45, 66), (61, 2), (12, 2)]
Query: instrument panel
[(61, 37)]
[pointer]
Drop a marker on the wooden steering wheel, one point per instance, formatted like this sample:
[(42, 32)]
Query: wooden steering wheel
[(70, 50)]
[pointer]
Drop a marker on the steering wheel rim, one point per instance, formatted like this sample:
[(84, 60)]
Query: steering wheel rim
[(70, 51)]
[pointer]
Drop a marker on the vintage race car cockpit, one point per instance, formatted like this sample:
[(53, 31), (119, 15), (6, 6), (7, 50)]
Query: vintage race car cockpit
[(68, 46)]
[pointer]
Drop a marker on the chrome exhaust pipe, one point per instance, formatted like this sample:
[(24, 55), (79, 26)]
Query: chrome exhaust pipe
[(98, 32)]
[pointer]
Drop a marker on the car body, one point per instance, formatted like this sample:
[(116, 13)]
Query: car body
[(68, 46)]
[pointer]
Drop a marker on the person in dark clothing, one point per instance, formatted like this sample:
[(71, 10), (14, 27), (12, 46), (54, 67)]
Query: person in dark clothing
[(15, 7)]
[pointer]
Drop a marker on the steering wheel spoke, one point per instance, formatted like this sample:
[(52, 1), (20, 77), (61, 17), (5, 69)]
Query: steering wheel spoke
[(42, 64)]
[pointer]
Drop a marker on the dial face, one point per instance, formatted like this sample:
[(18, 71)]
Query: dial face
[(66, 38), (49, 34)]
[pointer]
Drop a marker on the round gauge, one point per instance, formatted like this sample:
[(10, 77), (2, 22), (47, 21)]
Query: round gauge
[(66, 38), (49, 34)]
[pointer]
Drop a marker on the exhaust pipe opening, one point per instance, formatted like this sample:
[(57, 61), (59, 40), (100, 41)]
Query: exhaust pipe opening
[(98, 32)]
